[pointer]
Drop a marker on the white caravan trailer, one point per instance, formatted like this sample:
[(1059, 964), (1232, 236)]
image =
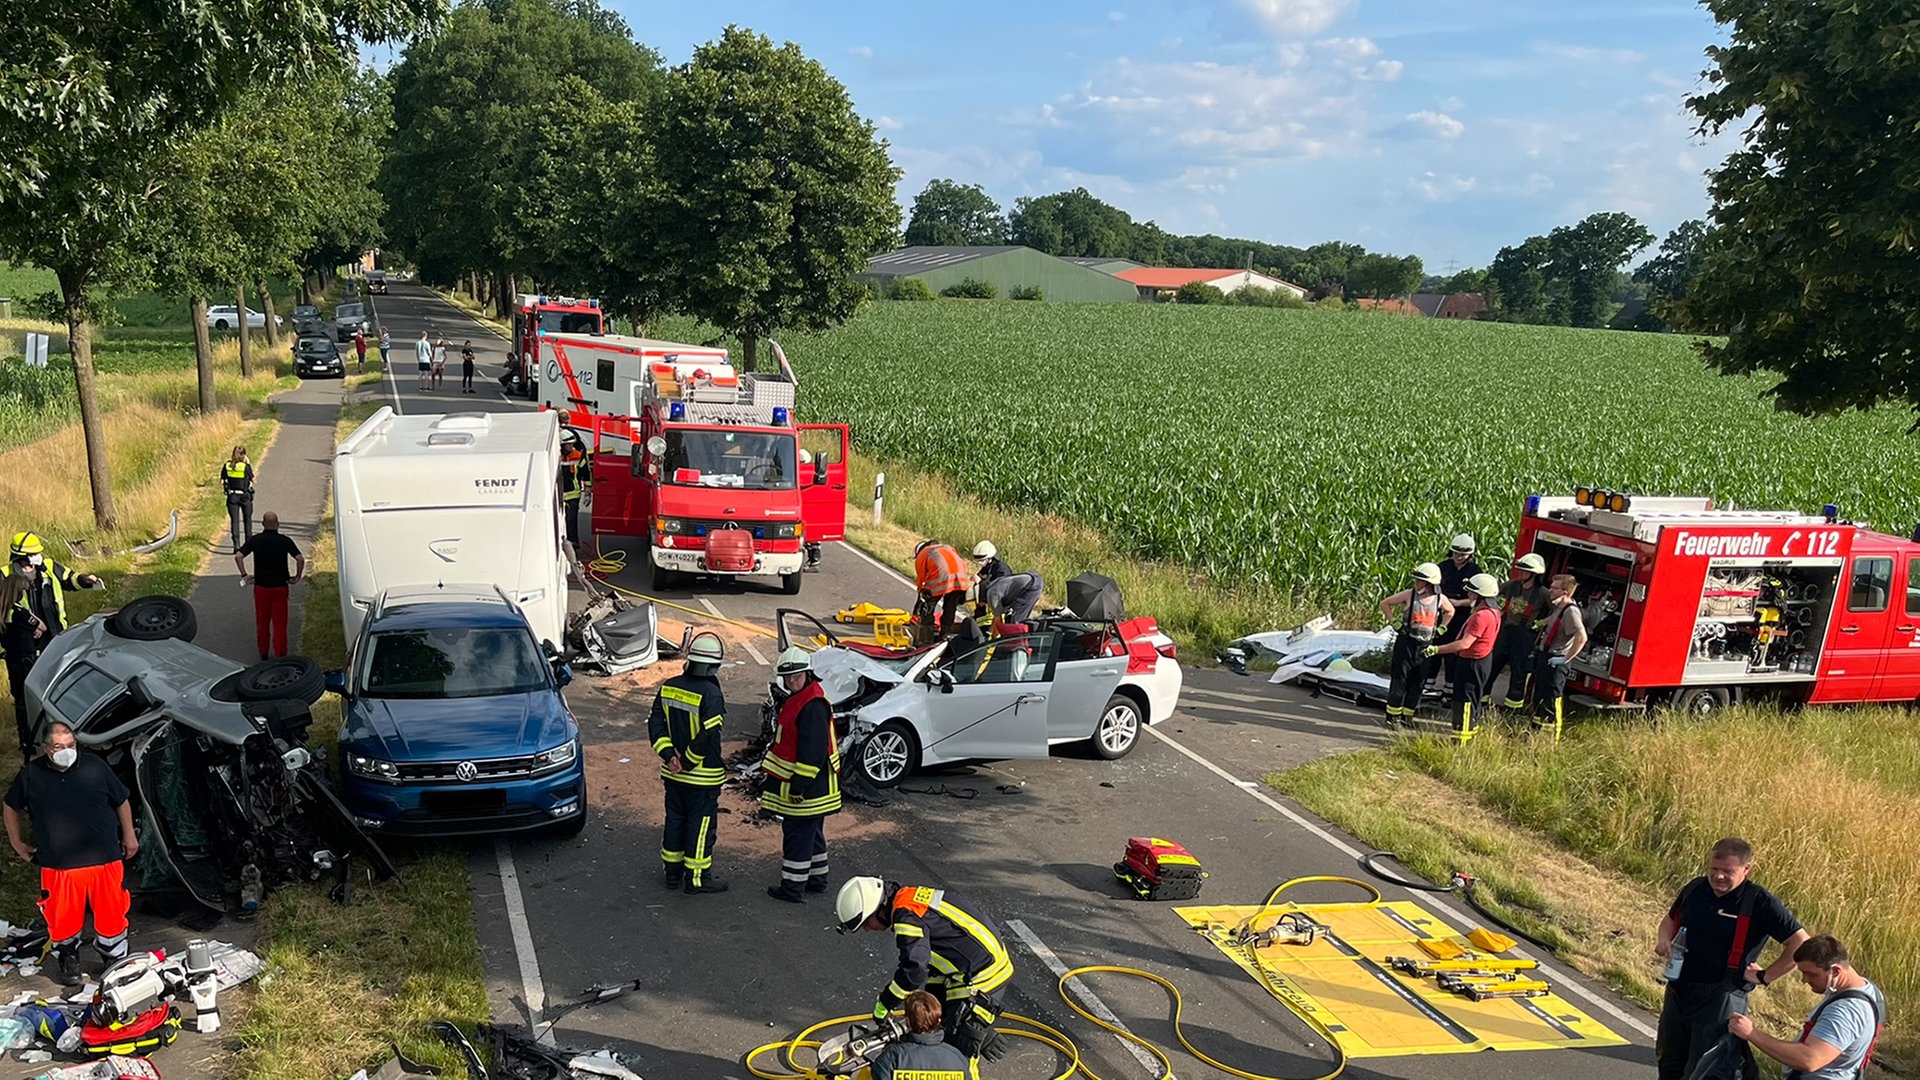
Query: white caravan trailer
[(468, 498)]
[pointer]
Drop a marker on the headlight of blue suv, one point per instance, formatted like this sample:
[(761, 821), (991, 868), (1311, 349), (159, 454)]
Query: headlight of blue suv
[(372, 768), (556, 758)]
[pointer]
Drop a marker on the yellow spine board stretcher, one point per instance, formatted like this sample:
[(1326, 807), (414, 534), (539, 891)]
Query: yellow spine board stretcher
[(1345, 982)]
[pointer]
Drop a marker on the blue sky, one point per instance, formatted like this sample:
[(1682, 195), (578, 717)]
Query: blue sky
[(1439, 129)]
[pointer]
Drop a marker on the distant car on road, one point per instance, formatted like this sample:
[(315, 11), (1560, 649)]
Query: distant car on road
[(317, 355), (227, 317), (350, 317), (377, 282), (308, 320)]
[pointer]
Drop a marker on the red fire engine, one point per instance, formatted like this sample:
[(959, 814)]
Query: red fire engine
[(535, 314), (703, 464), (1701, 607)]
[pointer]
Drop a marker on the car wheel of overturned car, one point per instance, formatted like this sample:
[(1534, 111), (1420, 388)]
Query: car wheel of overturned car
[(1119, 728), (888, 755), (287, 677), (154, 618)]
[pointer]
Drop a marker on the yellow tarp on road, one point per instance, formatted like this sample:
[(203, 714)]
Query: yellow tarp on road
[(1344, 981)]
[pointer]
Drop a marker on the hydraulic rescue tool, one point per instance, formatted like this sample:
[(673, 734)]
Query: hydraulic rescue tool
[(1466, 964), (1292, 928), (847, 1053)]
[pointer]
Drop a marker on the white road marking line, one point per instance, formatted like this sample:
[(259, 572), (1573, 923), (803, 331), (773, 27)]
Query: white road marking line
[(470, 315), (1336, 723), (1094, 1005), (1460, 918), (531, 988), (747, 645), (878, 565)]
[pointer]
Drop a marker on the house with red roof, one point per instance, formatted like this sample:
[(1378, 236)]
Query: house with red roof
[(1159, 283)]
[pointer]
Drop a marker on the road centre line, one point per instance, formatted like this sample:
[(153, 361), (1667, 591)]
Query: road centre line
[(878, 565), (1094, 1005), (532, 990), (1561, 980), (747, 645)]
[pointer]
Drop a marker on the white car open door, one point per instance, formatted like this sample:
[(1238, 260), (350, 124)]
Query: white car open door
[(1084, 678), (990, 702)]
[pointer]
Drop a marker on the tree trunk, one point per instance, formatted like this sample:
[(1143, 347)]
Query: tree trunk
[(502, 303), (273, 331), (246, 332), (203, 355), (80, 341), (749, 351)]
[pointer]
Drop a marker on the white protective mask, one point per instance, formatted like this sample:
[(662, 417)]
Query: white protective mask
[(65, 757)]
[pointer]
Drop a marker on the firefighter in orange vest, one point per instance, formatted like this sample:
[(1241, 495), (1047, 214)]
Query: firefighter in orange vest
[(803, 778), (942, 578)]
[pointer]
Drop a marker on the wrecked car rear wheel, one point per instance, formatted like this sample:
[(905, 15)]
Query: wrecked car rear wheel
[(154, 618), (287, 677)]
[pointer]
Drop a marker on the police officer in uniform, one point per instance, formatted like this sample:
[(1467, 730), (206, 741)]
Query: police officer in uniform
[(947, 946), (34, 614), (923, 1054), (685, 728), (1427, 611), (803, 778), (236, 476)]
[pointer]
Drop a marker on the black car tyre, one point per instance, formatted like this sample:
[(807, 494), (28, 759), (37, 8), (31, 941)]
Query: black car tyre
[(287, 677), (219, 324), (790, 583), (664, 578), (154, 618), (1118, 731), (889, 755)]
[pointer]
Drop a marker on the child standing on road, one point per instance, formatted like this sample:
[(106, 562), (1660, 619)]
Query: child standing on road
[(439, 361), (466, 367), (386, 345)]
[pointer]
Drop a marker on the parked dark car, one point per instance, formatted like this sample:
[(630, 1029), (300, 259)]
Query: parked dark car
[(348, 317), (308, 320), (228, 800), (317, 356)]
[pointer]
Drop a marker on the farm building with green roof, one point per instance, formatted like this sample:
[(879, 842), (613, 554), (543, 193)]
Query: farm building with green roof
[(1006, 268)]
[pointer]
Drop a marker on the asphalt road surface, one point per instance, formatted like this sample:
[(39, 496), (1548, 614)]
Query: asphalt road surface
[(1033, 841)]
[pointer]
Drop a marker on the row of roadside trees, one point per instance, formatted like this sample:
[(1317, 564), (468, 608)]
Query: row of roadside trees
[(538, 146)]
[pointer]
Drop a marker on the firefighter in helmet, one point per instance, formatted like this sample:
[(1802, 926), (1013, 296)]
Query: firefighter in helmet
[(948, 947), (685, 728), (803, 778), (1472, 648), (1523, 604), (1427, 611), (34, 604)]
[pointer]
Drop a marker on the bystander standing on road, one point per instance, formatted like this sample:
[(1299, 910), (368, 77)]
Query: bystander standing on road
[(1563, 633), (83, 828), (466, 367), (360, 347), (803, 778), (684, 728), (423, 352), (439, 361), (1711, 937), (1836, 1042), (1472, 650), (386, 345), (277, 564)]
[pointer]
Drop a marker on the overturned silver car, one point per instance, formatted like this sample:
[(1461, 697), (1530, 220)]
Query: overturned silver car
[(228, 800)]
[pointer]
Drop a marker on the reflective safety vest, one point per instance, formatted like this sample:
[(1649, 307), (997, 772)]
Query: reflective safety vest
[(804, 763), (237, 477), (939, 570), (945, 945), (1422, 623), (50, 577), (685, 722)]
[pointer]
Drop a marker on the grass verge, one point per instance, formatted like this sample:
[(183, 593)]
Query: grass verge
[(1587, 840), (399, 954)]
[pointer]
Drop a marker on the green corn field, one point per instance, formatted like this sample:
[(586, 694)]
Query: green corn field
[(1321, 454)]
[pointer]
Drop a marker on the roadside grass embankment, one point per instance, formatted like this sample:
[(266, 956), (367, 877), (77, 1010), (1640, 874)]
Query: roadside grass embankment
[(398, 955), (1583, 843)]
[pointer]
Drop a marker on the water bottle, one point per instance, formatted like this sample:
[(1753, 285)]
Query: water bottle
[(1677, 955), (69, 1040)]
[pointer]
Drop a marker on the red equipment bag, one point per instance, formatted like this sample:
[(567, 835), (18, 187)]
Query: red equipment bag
[(1157, 869), (152, 1029)]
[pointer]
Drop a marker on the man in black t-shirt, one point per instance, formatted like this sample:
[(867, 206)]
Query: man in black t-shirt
[(1727, 919), (84, 826), (277, 564)]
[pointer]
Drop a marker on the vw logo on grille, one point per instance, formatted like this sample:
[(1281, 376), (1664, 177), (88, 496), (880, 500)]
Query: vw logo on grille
[(466, 770)]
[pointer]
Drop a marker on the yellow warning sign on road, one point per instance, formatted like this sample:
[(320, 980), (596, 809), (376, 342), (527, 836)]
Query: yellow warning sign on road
[(1345, 982)]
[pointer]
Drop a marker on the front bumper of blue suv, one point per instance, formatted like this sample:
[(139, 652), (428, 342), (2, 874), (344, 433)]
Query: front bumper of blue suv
[(465, 797)]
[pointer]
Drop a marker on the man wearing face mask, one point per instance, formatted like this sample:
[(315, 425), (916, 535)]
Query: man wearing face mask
[(1836, 1042), (1726, 920), (84, 828), (803, 778)]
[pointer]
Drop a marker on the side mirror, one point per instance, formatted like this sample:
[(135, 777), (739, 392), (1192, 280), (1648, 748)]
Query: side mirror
[(819, 470), (562, 672), (337, 682), (941, 679)]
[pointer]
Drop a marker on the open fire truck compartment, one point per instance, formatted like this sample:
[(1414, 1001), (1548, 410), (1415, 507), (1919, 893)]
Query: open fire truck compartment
[(1703, 606)]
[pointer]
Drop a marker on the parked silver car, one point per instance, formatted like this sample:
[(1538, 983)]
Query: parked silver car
[(228, 800), (350, 317)]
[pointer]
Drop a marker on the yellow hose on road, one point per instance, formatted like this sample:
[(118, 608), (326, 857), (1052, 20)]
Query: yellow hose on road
[(1059, 1041), (603, 564)]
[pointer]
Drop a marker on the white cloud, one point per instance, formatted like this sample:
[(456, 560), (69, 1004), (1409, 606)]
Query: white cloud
[(1437, 124), (864, 52), (1441, 187), (887, 123), (1585, 54), (1116, 16), (1295, 18), (1361, 57)]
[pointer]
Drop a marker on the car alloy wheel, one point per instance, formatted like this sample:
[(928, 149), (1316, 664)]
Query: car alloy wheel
[(1119, 728), (887, 755)]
